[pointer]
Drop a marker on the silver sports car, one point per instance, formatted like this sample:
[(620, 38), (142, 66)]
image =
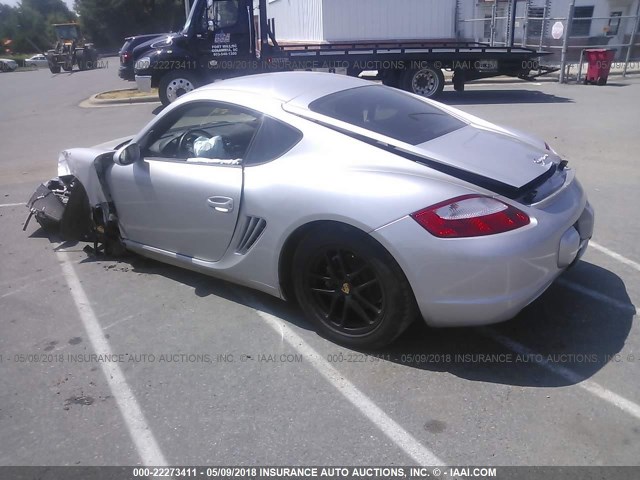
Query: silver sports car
[(368, 205)]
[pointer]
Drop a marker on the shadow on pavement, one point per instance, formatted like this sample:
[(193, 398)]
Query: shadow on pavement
[(579, 324), (204, 285), (569, 328), (499, 96)]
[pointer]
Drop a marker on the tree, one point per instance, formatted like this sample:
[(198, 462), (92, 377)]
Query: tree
[(29, 23), (108, 22), (49, 8)]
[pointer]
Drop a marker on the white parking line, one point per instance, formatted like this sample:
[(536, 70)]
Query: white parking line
[(398, 435), (596, 295), (590, 386), (12, 204), (139, 430), (615, 255)]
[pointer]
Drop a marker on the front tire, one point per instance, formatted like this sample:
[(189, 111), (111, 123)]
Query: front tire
[(175, 84), (427, 81), (351, 288)]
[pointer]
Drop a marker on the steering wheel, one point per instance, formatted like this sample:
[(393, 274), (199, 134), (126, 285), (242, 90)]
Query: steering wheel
[(185, 144)]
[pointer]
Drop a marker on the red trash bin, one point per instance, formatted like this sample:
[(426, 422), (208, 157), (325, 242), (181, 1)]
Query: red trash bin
[(599, 60)]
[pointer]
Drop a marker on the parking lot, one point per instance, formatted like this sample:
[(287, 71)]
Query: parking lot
[(215, 374)]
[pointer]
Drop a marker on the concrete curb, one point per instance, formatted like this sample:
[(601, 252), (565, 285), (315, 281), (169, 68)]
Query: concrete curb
[(93, 100)]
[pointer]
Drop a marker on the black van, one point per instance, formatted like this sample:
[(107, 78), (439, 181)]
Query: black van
[(126, 53)]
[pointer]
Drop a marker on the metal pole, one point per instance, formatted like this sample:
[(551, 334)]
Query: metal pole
[(525, 25), (494, 14), (264, 27), (187, 8), (512, 22), (565, 40), (543, 25), (632, 40)]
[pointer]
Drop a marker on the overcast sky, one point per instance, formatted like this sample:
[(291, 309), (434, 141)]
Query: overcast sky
[(15, 2)]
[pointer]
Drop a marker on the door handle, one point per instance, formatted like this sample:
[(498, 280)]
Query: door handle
[(220, 204)]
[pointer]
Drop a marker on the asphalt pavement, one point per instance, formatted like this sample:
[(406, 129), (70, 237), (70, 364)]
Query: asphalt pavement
[(210, 373)]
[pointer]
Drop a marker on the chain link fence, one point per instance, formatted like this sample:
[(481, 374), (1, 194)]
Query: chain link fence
[(559, 27)]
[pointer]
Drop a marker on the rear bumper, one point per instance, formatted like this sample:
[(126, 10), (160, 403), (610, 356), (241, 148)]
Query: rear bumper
[(126, 73), (484, 280)]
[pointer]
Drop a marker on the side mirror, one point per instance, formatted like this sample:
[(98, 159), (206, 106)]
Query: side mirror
[(127, 154)]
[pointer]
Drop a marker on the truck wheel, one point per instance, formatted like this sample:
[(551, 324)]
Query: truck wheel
[(54, 68), (82, 61), (175, 84), (427, 81), (92, 59)]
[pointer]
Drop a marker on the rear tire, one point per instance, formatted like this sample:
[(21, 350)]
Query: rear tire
[(92, 59), (351, 288), (82, 62), (427, 81), (175, 84)]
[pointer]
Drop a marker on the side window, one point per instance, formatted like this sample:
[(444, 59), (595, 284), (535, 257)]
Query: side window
[(204, 132), (273, 140), (221, 13)]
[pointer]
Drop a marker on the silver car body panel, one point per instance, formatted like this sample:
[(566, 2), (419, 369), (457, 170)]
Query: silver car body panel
[(330, 176)]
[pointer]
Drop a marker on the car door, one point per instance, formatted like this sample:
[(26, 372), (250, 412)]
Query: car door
[(224, 32), (183, 195)]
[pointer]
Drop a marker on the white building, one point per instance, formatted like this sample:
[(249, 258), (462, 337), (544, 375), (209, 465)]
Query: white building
[(591, 24), (352, 20), (433, 20)]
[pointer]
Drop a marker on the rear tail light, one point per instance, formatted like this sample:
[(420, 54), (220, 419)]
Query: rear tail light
[(470, 216)]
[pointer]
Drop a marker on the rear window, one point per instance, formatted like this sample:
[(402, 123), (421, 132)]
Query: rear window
[(388, 112), (126, 45)]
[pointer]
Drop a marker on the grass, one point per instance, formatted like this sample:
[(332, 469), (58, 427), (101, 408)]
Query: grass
[(127, 93)]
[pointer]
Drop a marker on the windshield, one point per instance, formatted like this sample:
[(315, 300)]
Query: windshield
[(389, 112), (215, 15), (67, 32)]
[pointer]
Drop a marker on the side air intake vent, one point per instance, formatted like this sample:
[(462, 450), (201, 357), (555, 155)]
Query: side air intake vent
[(253, 228)]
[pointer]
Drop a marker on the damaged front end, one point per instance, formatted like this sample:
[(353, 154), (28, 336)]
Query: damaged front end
[(64, 207)]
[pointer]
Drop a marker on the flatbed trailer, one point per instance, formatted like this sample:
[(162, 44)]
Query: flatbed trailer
[(221, 40)]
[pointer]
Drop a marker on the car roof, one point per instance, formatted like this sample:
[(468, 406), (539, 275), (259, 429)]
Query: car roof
[(285, 86)]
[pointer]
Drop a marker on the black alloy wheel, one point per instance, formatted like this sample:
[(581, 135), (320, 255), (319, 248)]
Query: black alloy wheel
[(346, 291), (351, 288)]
